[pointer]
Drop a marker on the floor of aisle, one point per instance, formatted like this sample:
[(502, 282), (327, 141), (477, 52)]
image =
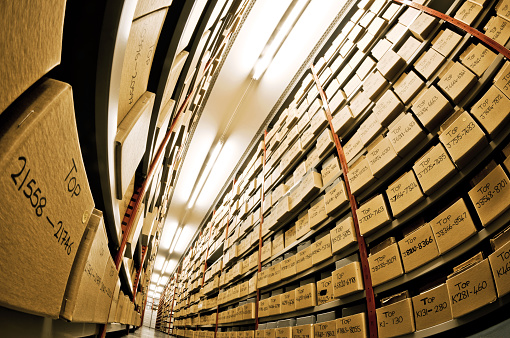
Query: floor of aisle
[(145, 332)]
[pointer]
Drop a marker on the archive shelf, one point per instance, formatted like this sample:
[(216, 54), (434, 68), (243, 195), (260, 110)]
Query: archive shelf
[(329, 306)]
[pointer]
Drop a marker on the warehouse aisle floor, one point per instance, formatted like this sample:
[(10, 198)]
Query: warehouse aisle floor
[(145, 332)]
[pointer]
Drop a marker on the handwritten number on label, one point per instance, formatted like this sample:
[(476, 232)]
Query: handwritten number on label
[(13, 176)]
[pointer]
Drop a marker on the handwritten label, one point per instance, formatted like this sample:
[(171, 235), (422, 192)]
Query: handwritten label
[(335, 197), (491, 196), (405, 134), (500, 265), (404, 193), (306, 296), (385, 264), (492, 110), (304, 259), (433, 169), (342, 235), (347, 280), (471, 289), (395, 319), (351, 326), (418, 248), (457, 81), (326, 329)]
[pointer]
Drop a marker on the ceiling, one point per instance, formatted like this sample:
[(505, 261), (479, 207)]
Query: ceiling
[(236, 108)]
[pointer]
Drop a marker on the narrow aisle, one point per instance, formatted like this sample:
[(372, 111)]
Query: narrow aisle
[(146, 332)]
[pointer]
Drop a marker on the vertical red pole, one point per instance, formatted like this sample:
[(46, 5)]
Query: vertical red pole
[(372, 319)]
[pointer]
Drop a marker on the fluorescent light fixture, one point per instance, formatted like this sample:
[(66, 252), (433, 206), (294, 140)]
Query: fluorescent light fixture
[(184, 239), (163, 280), (281, 32), (155, 277), (159, 289), (150, 293), (152, 287), (171, 265), (164, 267), (158, 265), (205, 174), (168, 234), (176, 239)]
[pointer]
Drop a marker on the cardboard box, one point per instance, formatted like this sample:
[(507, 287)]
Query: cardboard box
[(264, 307), (290, 236), (352, 326), (317, 212), (303, 331), (306, 296), (492, 110), (84, 280), (418, 248), (380, 48), (477, 58), (359, 103), (278, 242), (353, 147), (431, 108), (347, 280), (390, 64), (302, 225), (321, 249), (446, 41), (148, 6), (405, 133), (432, 307), (395, 319), (433, 169), (335, 197), (387, 108), (310, 184), (404, 193), (373, 214), (143, 36), (360, 176), (284, 332), (456, 80), (375, 82), (288, 301), (502, 79), (325, 329), (289, 267), (275, 274), (407, 86), (498, 30), (381, 156), (24, 58), (369, 129), (462, 138), (266, 252), (423, 25), (385, 263), (342, 235), (128, 148), (274, 305), (408, 48), (499, 262), (113, 305), (173, 77), (470, 287), (491, 196), (106, 291), (468, 12), (342, 120), (45, 210), (429, 63), (304, 260)]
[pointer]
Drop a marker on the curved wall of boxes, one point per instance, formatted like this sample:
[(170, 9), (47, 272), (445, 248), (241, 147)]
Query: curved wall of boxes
[(97, 103), (377, 201)]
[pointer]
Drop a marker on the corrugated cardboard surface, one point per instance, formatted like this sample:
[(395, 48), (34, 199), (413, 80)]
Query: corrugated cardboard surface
[(40, 233), (130, 141), (106, 291), (80, 305), (142, 41), (31, 44)]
